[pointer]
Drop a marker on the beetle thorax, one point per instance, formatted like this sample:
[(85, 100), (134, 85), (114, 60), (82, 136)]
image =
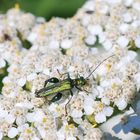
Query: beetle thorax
[(80, 81)]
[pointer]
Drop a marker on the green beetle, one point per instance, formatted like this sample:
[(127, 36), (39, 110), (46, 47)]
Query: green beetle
[(59, 86)]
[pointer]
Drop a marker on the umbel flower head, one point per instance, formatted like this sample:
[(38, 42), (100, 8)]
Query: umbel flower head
[(102, 33)]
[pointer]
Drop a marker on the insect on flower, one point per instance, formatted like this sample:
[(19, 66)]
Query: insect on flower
[(59, 86)]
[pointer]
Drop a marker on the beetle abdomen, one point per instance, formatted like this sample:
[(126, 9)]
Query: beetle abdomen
[(55, 88)]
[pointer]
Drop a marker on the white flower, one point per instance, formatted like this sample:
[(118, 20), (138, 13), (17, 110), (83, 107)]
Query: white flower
[(107, 44), (93, 134), (127, 17), (78, 120), (94, 50), (10, 118), (95, 29), (38, 67), (120, 66), (46, 71), (105, 83), (137, 79), (25, 104), (35, 138), (90, 40), (136, 6), (13, 68), (116, 81), (12, 132), (31, 76), (88, 105), (135, 23), (76, 113), (100, 91), (100, 117), (20, 120), (108, 111), (21, 82), (121, 104), (71, 138), (11, 95), (2, 63), (42, 131), (53, 108), (6, 79), (32, 37), (3, 113), (66, 43), (113, 1), (89, 5), (40, 19), (137, 42), (123, 41), (123, 28), (86, 20), (71, 68), (105, 100), (102, 70), (60, 135), (21, 128), (54, 44), (30, 117), (1, 135), (104, 9), (128, 3), (102, 37), (39, 115), (131, 55)]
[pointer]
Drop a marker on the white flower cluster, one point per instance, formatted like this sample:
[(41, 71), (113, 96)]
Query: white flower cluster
[(101, 28)]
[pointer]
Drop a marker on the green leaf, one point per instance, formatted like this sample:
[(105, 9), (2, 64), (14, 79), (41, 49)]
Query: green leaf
[(136, 131), (45, 8), (25, 43), (132, 46), (6, 138), (3, 73), (91, 119), (27, 86)]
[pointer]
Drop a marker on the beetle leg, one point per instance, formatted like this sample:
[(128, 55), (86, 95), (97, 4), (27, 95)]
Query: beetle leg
[(82, 89), (86, 91), (79, 88), (51, 80), (61, 74), (71, 93), (57, 97)]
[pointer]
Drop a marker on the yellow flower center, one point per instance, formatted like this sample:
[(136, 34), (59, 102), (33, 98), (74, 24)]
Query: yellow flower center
[(71, 125), (17, 6), (114, 85), (44, 120), (101, 105), (28, 131), (67, 127), (108, 66)]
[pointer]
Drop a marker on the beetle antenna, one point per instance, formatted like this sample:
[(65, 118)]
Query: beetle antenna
[(99, 65)]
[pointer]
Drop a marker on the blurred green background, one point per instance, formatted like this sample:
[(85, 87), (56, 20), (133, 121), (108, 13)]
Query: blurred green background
[(44, 8)]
